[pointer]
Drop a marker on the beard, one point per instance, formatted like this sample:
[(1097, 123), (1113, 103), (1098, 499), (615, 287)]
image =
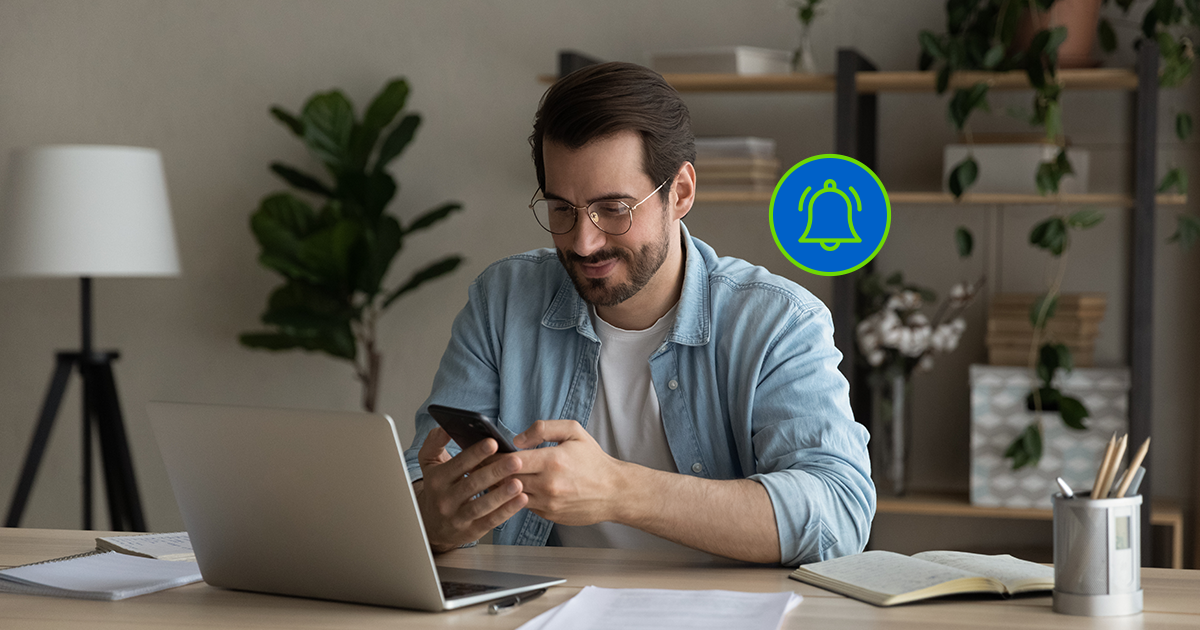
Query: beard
[(606, 291)]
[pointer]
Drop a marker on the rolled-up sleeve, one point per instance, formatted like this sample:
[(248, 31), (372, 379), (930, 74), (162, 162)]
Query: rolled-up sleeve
[(810, 454)]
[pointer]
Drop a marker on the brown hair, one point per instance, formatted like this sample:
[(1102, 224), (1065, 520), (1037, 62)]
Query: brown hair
[(601, 100)]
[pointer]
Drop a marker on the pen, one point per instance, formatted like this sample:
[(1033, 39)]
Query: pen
[(1066, 490), (509, 603)]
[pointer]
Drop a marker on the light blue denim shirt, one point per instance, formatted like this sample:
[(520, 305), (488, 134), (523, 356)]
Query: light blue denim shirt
[(747, 382)]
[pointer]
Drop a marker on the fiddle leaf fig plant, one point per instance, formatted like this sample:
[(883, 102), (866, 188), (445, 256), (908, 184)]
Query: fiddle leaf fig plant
[(332, 239)]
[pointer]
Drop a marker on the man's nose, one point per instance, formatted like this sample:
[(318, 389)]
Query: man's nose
[(588, 239)]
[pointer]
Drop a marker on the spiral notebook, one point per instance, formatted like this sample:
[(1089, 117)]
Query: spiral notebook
[(98, 575)]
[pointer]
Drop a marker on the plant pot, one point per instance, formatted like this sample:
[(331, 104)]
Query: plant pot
[(1079, 16)]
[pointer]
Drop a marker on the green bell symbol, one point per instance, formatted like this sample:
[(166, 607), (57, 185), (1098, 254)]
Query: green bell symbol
[(830, 239)]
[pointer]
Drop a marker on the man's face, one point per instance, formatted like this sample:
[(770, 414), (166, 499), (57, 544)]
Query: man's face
[(607, 269)]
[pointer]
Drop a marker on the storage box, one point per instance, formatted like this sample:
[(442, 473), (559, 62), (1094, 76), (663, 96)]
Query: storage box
[(1076, 323), (734, 147), (1012, 168), (725, 60), (999, 415)]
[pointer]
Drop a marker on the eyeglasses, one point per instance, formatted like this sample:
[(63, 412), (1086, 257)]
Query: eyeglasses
[(610, 215)]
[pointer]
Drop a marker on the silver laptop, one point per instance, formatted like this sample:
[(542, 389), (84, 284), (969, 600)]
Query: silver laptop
[(313, 504)]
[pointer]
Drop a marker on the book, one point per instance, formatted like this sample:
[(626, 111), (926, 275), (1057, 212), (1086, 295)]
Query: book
[(172, 546), (104, 575), (885, 578)]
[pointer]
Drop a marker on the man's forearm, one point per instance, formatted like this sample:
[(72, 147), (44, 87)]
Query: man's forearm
[(731, 518)]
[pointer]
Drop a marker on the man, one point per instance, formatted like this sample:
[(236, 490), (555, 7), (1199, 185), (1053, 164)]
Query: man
[(679, 398)]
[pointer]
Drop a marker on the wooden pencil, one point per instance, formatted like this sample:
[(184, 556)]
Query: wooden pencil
[(1133, 466), (1118, 455), (1100, 474)]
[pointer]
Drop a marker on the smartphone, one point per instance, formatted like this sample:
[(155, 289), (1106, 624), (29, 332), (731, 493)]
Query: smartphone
[(468, 427)]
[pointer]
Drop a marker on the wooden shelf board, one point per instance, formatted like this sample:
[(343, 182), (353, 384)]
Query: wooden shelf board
[(899, 81), (977, 199), (958, 504)]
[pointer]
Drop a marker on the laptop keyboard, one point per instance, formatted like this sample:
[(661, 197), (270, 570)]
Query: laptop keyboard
[(462, 589)]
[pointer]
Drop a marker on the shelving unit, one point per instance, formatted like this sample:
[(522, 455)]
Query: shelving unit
[(1164, 514), (856, 86)]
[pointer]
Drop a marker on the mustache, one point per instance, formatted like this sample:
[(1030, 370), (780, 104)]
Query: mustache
[(596, 258)]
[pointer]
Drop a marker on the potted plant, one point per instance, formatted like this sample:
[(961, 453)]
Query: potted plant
[(334, 258)]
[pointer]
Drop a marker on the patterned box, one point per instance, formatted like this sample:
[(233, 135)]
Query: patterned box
[(999, 415)]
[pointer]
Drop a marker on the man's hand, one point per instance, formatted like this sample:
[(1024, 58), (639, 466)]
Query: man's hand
[(574, 483), (452, 516)]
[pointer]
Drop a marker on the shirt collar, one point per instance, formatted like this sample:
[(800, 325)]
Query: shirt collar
[(692, 325)]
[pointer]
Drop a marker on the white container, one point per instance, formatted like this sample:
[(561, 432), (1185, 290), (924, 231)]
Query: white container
[(1012, 168), (725, 60), (721, 147), (999, 414)]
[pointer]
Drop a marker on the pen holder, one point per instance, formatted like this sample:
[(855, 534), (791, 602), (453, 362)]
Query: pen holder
[(1097, 555)]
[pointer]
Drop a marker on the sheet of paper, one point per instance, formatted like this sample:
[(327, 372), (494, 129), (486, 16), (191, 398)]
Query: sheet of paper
[(657, 609), (170, 546)]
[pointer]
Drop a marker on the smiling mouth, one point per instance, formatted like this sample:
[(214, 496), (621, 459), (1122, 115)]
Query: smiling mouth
[(598, 270)]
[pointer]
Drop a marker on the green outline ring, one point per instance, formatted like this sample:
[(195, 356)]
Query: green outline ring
[(886, 229)]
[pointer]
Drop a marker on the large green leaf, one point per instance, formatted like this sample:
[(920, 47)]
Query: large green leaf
[(1183, 125), (432, 216), (1175, 178), (1050, 235), (1187, 231), (439, 268), (378, 192), (965, 241), (386, 105), (1106, 35), (327, 253), (963, 176), (288, 119), (1073, 412), (300, 180), (280, 226), (1084, 219), (300, 305), (328, 124), (380, 246), (1026, 450), (397, 140), (337, 341)]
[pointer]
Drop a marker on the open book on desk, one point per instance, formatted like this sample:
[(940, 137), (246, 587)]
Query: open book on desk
[(885, 578), (98, 575)]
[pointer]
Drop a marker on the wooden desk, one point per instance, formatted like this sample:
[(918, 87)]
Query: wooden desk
[(1171, 596)]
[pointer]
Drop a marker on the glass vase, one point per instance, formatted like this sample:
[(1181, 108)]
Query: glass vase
[(891, 415), (802, 58)]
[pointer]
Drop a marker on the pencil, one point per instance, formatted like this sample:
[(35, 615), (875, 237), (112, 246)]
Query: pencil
[(1118, 455), (1133, 466), (1100, 474)]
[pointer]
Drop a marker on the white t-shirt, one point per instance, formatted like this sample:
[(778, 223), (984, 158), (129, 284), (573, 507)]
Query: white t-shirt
[(627, 424)]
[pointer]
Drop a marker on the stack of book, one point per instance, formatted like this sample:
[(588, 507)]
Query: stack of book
[(736, 164), (1076, 322)]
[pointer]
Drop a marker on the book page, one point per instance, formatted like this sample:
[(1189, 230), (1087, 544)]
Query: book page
[(887, 572), (1016, 574), (171, 546)]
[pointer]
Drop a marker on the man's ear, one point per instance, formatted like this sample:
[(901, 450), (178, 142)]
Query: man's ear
[(683, 190)]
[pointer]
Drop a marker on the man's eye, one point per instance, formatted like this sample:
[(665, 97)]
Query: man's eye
[(610, 208)]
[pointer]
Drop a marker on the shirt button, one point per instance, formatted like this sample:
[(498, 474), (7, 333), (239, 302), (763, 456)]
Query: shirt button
[(673, 384), (696, 468)]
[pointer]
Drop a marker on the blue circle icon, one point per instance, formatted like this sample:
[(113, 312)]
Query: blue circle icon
[(830, 215)]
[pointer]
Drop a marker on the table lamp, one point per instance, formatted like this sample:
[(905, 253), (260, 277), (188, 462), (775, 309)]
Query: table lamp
[(83, 212)]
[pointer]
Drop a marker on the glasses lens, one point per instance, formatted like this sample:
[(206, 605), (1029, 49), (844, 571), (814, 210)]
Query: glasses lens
[(556, 216), (611, 216)]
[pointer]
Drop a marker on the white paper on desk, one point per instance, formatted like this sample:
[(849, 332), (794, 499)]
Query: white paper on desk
[(660, 609)]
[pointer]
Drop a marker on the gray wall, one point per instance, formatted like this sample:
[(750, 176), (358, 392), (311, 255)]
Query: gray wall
[(195, 79)]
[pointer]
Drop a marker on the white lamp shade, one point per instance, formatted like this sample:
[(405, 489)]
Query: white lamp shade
[(77, 210)]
